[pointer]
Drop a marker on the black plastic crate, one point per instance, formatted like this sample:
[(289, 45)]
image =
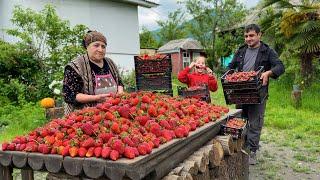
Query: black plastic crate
[(148, 82), (202, 93), (255, 79), (236, 133), (153, 65)]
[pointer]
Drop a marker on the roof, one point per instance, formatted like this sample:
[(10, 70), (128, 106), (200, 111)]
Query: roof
[(180, 44), (142, 3)]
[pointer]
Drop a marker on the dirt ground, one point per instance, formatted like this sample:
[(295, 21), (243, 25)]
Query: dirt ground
[(278, 162)]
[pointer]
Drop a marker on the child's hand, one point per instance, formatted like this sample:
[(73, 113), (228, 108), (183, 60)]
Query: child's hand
[(192, 64), (209, 71)]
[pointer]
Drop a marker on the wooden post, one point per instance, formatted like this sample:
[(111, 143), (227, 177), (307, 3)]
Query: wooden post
[(296, 96), (6, 172), (27, 174), (217, 155), (227, 144)]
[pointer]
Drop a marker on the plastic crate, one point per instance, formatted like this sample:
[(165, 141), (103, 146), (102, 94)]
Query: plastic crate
[(243, 92), (236, 133), (255, 79), (202, 93), (153, 66)]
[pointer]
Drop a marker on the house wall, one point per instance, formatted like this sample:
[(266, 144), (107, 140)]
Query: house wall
[(176, 63), (117, 21)]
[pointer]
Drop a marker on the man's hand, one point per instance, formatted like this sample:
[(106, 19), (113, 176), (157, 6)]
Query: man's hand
[(265, 77)]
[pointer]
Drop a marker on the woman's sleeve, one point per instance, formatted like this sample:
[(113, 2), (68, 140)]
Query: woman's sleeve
[(183, 75), (212, 83), (72, 85)]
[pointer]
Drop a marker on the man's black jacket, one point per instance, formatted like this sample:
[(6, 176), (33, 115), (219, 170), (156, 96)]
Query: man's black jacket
[(266, 57)]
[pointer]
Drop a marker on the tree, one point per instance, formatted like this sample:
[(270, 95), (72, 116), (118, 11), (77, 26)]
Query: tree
[(147, 39), (46, 44), (299, 27), (211, 17), (54, 41), (173, 28)]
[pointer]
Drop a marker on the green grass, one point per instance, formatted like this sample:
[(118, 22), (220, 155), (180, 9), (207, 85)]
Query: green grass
[(20, 120)]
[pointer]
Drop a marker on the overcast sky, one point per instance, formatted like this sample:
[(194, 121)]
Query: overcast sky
[(148, 17)]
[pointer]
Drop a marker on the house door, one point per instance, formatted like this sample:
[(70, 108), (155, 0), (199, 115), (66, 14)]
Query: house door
[(186, 59)]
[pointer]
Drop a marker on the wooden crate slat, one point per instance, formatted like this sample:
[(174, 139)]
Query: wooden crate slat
[(6, 172), (36, 161), (5, 158), (73, 166), (114, 173), (19, 159), (94, 167), (53, 163)]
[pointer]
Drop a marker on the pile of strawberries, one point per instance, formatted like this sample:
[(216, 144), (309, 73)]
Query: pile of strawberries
[(153, 57), (236, 123), (126, 125), (241, 76)]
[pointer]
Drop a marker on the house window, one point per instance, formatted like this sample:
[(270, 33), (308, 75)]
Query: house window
[(186, 59)]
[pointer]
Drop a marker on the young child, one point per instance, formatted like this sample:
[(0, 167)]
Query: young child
[(201, 75)]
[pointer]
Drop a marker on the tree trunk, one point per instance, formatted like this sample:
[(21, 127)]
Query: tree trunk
[(306, 68)]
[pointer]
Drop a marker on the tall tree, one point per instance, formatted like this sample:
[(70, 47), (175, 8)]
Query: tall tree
[(147, 39), (298, 24), (173, 27), (211, 17)]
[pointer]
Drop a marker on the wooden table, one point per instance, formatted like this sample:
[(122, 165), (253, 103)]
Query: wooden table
[(152, 166)]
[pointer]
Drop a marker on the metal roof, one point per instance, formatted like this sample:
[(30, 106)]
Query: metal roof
[(178, 44)]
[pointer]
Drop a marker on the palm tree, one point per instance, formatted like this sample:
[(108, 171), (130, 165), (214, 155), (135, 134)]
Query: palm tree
[(297, 24)]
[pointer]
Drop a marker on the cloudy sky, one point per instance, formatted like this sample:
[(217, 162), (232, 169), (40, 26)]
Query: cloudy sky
[(148, 17)]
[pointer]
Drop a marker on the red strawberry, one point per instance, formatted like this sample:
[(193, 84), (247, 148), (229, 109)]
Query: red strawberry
[(97, 151), (114, 155), (146, 99), (129, 152), (179, 132), (53, 150), (117, 145), (109, 116), (87, 128), (142, 119), (124, 111), (152, 111), (115, 101), (155, 128), (22, 147), (90, 152), (97, 118), (134, 101), (128, 141), (65, 151), (82, 152), (165, 124), (105, 153), (5, 146), (148, 147), (105, 136), (73, 151), (156, 142), (115, 128), (43, 148), (88, 143), (136, 152), (142, 149)]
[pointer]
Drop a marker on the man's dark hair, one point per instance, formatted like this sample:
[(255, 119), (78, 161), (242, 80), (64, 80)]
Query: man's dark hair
[(252, 27)]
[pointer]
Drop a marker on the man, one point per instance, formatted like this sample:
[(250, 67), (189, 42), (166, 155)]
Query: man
[(249, 57)]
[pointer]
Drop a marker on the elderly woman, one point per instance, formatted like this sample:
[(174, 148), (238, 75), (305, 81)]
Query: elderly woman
[(92, 77)]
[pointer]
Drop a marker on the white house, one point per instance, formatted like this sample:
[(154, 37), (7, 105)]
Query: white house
[(116, 19)]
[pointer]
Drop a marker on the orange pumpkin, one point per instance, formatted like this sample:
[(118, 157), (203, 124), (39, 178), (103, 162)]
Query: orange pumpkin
[(47, 103)]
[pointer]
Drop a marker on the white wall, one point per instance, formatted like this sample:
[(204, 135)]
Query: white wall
[(117, 21)]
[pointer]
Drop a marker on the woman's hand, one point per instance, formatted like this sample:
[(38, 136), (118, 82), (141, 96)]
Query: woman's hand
[(101, 97)]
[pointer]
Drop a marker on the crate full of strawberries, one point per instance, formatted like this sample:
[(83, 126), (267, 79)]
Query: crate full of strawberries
[(243, 87), (236, 127), (146, 64)]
